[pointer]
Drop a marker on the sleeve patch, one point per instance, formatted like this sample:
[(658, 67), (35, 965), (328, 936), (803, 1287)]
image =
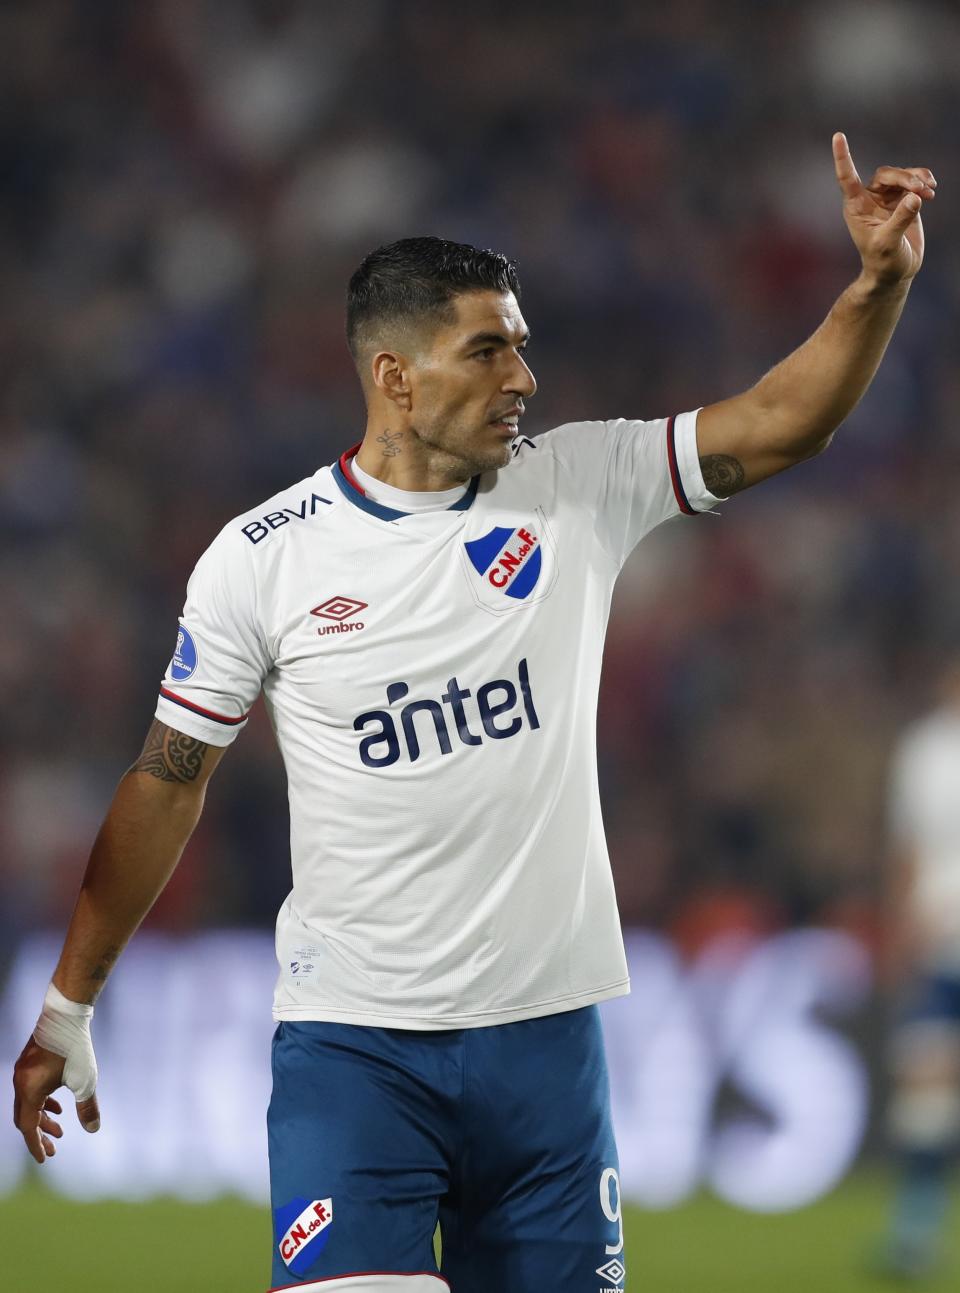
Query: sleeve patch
[(184, 660)]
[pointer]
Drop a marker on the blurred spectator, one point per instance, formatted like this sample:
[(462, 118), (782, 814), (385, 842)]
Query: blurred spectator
[(924, 959)]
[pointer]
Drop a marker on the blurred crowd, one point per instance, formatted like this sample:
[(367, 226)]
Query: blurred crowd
[(186, 189)]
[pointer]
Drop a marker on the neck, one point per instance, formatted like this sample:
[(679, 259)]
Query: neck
[(399, 458)]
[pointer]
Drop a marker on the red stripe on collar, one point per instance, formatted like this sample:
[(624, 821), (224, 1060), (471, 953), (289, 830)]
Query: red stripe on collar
[(346, 459)]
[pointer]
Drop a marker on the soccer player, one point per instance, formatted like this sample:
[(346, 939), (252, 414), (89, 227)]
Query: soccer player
[(924, 912), (425, 619)]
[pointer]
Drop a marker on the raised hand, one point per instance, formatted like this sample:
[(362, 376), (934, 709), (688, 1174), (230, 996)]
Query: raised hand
[(884, 216)]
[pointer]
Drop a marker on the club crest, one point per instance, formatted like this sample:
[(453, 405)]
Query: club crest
[(511, 565), (302, 1231)]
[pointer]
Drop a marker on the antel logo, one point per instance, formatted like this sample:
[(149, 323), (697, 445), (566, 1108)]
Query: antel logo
[(301, 1242), (340, 609), (498, 710)]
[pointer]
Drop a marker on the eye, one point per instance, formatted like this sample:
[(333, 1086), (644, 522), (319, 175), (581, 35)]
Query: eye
[(487, 353)]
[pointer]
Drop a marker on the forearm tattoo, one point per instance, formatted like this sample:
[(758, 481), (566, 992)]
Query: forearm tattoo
[(170, 755), (98, 974), (722, 474), (390, 440)]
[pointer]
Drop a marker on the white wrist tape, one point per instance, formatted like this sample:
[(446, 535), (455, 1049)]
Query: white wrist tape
[(64, 1028)]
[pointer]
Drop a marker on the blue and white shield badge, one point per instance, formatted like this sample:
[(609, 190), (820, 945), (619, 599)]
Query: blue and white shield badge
[(512, 565), (302, 1230)]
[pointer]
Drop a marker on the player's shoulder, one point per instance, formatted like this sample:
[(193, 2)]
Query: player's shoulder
[(301, 504), (558, 443), (577, 453), (568, 435), (589, 437)]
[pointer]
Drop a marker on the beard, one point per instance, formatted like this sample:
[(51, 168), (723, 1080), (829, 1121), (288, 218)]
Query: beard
[(458, 456)]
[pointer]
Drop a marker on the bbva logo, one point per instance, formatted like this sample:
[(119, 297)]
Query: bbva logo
[(498, 710)]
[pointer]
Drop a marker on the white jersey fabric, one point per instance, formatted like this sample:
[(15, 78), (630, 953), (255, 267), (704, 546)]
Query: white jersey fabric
[(925, 803), (432, 681)]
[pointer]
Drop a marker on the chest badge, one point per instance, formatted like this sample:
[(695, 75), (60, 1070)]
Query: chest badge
[(512, 564)]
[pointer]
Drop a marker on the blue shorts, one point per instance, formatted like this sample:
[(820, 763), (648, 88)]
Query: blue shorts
[(501, 1134)]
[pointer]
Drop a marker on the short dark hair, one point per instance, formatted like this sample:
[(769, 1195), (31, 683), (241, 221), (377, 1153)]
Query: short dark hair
[(416, 278)]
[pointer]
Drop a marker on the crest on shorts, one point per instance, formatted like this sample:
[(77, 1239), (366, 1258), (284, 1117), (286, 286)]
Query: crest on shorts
[(302, 1229)]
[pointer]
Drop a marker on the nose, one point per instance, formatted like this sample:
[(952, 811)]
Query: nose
[(520, 380)]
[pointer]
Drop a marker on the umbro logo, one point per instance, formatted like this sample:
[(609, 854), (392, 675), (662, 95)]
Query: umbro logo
[(613, 1271), (341, 609)]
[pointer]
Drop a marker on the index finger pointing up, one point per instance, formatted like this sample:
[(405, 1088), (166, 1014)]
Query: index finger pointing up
[(847, 176)]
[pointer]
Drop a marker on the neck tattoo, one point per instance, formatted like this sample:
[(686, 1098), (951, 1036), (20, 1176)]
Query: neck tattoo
[(390, 440)]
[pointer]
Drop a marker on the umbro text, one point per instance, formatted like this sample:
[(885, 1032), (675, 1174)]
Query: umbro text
[(344, 626)]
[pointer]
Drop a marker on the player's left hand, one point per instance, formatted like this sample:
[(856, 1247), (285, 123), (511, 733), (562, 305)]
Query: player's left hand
[(884, 216)]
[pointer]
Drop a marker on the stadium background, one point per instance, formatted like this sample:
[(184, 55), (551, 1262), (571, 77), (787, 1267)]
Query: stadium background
[(186, 188)]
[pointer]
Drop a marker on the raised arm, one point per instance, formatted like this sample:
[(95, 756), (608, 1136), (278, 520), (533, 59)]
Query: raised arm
[(792, 412), (154, 811)]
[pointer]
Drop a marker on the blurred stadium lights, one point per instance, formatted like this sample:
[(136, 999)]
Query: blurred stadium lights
[(725, 1073)]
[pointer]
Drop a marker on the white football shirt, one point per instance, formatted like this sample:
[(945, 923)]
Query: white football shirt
[(926, 821), (432, 681)]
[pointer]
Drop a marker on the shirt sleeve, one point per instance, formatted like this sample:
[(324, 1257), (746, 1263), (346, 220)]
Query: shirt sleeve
[(220, 658), (632, 475)]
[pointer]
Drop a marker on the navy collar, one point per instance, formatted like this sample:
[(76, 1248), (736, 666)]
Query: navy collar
[(351, 488)]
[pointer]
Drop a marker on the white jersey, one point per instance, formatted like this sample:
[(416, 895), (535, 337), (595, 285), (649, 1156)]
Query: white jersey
[(432, 681), (926, 821)]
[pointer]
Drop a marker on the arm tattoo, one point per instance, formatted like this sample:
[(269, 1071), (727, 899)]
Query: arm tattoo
[(722, 474), (99, 972), (170, 755), (391, 443)]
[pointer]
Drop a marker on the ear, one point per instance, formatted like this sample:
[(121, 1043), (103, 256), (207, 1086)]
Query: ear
[(391, 377)]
